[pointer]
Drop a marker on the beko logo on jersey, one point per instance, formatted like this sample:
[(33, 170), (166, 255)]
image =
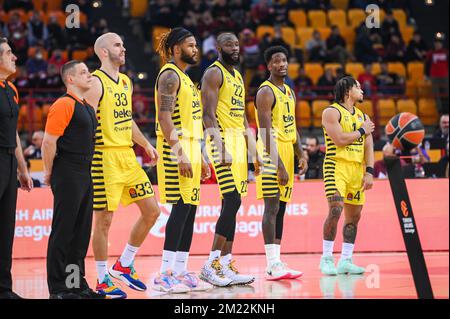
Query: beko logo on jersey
[(288, 118), (122, 114), (237, 102)]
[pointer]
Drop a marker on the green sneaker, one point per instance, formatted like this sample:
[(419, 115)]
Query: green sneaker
[(346, 266), (327, 266)]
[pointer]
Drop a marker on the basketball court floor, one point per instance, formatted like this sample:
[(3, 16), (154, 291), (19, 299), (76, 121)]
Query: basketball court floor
[(387, 276)]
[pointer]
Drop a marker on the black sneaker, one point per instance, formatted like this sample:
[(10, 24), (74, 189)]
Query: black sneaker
[(9, 295), (65, 295), (90, 294)]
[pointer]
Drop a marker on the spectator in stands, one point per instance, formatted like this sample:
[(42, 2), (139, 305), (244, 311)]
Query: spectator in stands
[(160, 13), (280, 13), (367, 80), (336, 47), (303, 84), (98, 28), (277, 40), (37, 30), (16, 32), (57, 59), (53, 80), (417, 48), (437, 70), (190, 23), (33, 151), (389, 83), (259, 77), (365, 47), (26, 5), (316, 48), (250, 49), (206, 24), (315, 158), (221, 14), (325, 85), (442, 131), (209, 42), (340, 73), (380, 170), (198, 7), (78, 38), (389, 27), (395, 49), (261, 13), (21, 80), (239, 13), (37, 68), (56, 36)]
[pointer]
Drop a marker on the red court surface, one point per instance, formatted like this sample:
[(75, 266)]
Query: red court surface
[(387, 276)]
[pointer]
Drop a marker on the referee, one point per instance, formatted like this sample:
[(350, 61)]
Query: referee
[(67, 151), (11, 159)]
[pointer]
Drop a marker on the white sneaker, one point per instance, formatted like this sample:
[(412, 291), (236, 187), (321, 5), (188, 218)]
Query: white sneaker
[(212, 273), (277, 271), (166, 282), (232, 273), (294, 273)]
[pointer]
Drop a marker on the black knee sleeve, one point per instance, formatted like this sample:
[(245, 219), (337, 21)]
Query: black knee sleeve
[(188, 232), (226, 224), (280, 218), (175, 225)]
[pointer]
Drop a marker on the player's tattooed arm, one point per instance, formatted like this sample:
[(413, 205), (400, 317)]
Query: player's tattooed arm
[(168, 84)]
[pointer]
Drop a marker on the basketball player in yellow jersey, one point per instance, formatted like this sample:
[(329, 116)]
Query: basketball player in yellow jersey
[(223, 101), (116, 174), (179, 133), (348, 172), (278, 141)]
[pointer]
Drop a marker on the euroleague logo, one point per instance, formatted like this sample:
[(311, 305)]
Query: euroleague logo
[(404, 208)]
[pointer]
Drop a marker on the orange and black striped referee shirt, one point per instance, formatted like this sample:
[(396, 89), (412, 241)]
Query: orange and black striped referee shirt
[(9, 114)]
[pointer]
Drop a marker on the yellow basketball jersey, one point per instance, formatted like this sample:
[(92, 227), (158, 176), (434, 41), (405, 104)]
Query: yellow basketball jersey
[(349, 122), (231, 105), (114, 112), (283, 113), (187, 116)]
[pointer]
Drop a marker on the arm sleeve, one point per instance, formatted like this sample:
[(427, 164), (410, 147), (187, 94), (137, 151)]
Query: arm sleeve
[(59, 116)]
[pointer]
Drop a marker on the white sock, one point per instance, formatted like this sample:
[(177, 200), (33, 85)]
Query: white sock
[(181, 261), (271, 254), (225, 260), (347, 250), (278, 249), (102, 270), (214, 254), (328, 248), (128, 255), (168, 260)]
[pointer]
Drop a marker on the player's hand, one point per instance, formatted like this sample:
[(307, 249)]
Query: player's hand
[(368, 126), (283, 176), (152, 153), (185, 166), (259, 165), (302, 165), (26, 183), (367, 181), (206, 170), (225, 158)]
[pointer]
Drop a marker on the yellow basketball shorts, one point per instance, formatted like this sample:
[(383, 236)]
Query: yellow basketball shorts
[(346, 179), (267, 184), (118, 177), (236, 176), (171, 185)]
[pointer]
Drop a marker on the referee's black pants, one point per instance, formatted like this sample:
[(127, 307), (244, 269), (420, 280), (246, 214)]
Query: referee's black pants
[(71, 226), (8, 200)]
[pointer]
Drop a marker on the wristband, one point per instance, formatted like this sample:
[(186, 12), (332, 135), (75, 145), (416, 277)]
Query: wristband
[(362, 131), (369, 170)]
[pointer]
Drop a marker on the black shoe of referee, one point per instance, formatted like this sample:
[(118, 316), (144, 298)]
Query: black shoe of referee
[(9, 295), (90, 294)]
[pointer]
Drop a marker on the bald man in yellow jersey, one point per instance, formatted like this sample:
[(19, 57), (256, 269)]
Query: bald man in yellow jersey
[(117, 176), (279, 142)]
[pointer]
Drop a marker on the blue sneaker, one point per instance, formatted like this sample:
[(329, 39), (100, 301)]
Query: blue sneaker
[(109, 290), (167, 282), (128, 275)]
